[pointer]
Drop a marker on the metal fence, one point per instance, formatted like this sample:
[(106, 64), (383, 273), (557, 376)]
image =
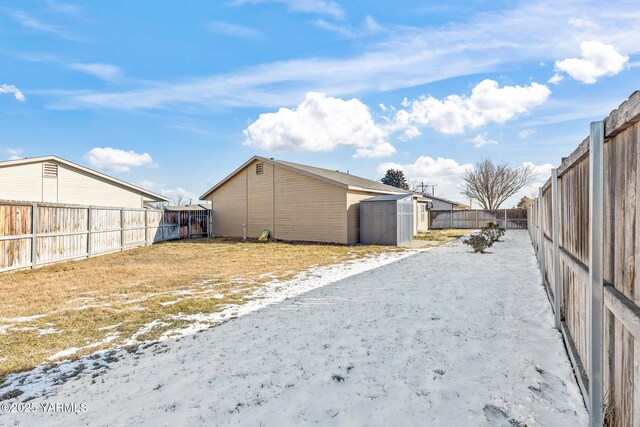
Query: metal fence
[(585, 228), (477, 218), (36, 234)]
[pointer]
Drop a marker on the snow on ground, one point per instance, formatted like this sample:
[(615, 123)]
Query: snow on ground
[(444, 338)]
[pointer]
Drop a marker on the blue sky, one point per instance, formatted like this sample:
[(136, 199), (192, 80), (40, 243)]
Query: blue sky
[(174, 96)]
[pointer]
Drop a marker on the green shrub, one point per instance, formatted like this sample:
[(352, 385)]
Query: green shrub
[(479, 242), (493, 232)]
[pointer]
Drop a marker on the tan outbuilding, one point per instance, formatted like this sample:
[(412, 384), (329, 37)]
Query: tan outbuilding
[(293, 202), (51, 179)]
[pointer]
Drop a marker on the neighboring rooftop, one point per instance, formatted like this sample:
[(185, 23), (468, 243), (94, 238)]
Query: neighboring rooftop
[(193, 207), (442, 199), (27, 160)]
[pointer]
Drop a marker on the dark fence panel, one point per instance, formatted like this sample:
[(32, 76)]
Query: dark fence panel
[(511, 219)]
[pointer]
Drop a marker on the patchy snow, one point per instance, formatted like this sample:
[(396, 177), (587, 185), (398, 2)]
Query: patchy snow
[(71, 351), (444, 337), (49, 331), (22, 319)]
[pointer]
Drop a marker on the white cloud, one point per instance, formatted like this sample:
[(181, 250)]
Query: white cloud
[(176, 193), (598, 60), (11, 89), (29, 22), (368, 27), (481, 140), (117, 160), (555, 79), (14, 153), (406, 56), (101, 71), (526, 133), (320, 123), (444, 173), (148, 184), (62, 7), (234, 30), (308, 6), (487, 104)]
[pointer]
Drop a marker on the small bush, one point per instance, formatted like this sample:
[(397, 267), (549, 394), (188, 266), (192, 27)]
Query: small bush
[(493, 232), (479, 242)]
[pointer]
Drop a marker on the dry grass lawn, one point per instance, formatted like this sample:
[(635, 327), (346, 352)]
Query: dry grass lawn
[(140, 294), (439, 237)]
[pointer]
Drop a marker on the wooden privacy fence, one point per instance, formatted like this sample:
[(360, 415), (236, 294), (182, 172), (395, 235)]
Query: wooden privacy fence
[(585, 227), (36, 234), (477, 218)]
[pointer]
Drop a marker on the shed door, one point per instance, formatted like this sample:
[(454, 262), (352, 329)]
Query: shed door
[(405, 221)]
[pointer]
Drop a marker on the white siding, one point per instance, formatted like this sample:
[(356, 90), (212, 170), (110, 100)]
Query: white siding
[(25, 182), (78, 187), (21, 182)]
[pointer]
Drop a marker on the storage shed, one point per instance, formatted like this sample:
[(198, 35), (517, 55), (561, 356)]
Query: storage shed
[(387, 220)]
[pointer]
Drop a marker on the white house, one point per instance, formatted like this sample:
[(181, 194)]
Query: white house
[(55, 180)]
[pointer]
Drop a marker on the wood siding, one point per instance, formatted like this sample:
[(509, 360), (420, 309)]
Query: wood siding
[(229, 207), (21, 182), (309, 209), (303, 208), (27, 183), (261, 206), (79, 187)]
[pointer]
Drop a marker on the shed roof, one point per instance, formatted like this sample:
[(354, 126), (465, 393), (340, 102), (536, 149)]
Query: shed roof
[(342, 179), (153, 196), (388, 197)]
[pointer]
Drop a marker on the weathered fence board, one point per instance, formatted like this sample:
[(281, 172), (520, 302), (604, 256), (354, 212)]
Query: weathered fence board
[(621, 258), (477, 218), (66, 232)]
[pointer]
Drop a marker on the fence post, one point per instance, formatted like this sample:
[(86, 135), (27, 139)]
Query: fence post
[(540, 235), (34, 231), (451, 219), (146, 227), (477, 221), (555, 209), (505, 219), (189, 224), (89, 227), (596, 212), (121, 229)]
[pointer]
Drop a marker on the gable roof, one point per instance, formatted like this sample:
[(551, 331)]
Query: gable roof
[(448, 201), (345, 180), (156, 197), (388, 197)]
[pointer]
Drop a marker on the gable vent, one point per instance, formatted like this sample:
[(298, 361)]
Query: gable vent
[(259, 168), (50, 170)]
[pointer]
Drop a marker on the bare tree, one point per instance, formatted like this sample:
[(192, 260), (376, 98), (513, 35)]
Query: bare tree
[(178, 200), (490, 184)]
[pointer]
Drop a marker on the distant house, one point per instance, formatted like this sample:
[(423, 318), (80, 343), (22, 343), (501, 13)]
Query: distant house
[(55, 180), (440, 204), (296, 202)]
